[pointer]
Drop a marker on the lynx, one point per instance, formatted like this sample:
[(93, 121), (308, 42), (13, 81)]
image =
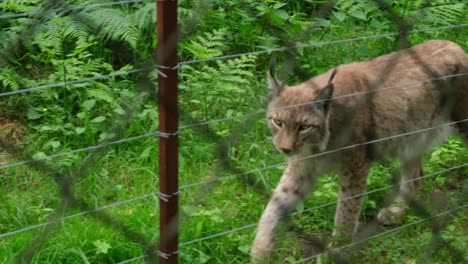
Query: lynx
[(397, 106)]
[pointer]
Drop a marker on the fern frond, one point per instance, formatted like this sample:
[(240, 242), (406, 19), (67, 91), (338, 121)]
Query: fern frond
[(210, 90), (48, 38), (115, 25), (19, 6), (229, 75), (207, 46), (56, 31), (441, 15), (144, 17), (10, 79), (369, 7)]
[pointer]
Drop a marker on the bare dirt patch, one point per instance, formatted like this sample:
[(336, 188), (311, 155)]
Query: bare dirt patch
[(11, 134)]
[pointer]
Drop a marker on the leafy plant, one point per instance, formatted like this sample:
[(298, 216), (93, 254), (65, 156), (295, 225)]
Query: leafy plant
[(115, 39)]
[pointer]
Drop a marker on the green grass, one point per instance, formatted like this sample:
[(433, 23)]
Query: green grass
[(29, 198), (64, 119)]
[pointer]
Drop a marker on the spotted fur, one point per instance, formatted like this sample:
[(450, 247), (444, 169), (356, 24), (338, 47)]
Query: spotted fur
[(357, 103)]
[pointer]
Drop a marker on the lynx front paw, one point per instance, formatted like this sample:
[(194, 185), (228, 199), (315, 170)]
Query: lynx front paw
[(391, 215), (260, 255)]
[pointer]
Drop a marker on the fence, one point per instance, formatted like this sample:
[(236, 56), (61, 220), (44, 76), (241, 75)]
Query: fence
[(167, 249)]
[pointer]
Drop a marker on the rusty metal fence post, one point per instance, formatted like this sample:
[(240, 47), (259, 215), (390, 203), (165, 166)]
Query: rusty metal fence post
[(167, 61)]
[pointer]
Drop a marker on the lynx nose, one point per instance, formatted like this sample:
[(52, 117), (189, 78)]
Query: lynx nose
[(285, 150)]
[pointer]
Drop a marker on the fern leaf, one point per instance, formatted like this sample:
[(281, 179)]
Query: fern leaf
[(207, 46), (114, 25)]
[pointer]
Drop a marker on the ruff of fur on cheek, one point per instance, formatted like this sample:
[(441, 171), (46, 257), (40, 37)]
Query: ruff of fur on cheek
[(326, 137)]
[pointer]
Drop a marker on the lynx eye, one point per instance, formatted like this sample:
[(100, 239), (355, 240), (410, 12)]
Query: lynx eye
[(278, 122)]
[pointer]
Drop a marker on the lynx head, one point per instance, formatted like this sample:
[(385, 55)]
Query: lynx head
[(298, 115)]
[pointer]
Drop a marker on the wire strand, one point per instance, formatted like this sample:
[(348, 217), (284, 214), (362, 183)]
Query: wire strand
[(320, 101), (7, 166), (4, 235), (390, 231), (71, 8), (219, 234), (11, 165), (323, 205), (48, 86), (317, 255), (225, 57), (132, 259), (317, 44), (320, 154)]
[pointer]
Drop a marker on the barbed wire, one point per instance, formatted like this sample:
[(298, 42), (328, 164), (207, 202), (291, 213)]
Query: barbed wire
[(221, 120), (185, 127), (18, 231), (328, 204), (322, 206), (322, 154), (244, 174), (231, 177), (71, 8), (49, 86), (317, 44), (390, 231), (103, 145), (321, 101)]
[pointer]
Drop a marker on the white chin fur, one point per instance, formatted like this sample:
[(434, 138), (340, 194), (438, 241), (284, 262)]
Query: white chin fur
[(323, 145)]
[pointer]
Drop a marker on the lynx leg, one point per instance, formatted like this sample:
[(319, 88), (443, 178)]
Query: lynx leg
[(295, 183), (409, 186), (352, 181)]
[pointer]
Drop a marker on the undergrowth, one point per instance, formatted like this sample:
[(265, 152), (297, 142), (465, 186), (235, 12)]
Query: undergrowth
[(109, 40)]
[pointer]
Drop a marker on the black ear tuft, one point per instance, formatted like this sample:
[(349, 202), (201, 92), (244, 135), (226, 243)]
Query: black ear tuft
[(332, 75), (272, 65), (274, 86)]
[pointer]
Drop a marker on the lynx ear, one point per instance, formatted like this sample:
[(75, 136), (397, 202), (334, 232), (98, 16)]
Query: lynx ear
[(274, 86), (323, 100)]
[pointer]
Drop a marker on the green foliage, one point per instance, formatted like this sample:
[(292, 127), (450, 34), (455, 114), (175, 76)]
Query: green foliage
[(433, 13), (202, 96), (115, 25), (55, 37), (209, 46), (115, 39), (358, 9)]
